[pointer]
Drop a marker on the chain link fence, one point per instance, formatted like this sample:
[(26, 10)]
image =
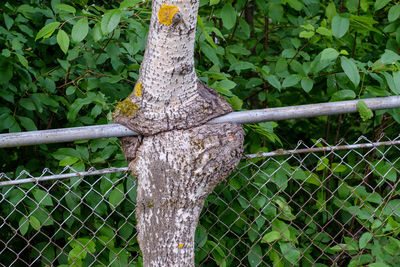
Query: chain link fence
[(316, 205)]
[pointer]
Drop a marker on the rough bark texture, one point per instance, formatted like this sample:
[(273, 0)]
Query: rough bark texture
[(180, 159), (177, 170), (168, 95)]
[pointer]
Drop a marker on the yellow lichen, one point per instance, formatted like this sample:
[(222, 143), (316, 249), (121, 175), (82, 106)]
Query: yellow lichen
[(166, 14), (138, 89), (126, 108), (180, 245)]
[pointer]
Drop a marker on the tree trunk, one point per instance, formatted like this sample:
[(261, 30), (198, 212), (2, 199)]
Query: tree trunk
[(180, 159)]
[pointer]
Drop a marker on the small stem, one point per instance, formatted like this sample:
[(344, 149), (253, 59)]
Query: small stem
[(355, 34), (104, 47), (298, 51), (266, 29), (327, 128), (237, 23), (74, 80)]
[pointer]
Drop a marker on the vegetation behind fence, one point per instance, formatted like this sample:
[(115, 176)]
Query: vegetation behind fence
[(309, 206)]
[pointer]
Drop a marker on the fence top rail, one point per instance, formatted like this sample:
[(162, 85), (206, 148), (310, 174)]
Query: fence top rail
[(280, 152), (242, 117)]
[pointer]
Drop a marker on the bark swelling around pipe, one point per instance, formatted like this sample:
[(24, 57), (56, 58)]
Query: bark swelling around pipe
[(168, 95), (181, 159)]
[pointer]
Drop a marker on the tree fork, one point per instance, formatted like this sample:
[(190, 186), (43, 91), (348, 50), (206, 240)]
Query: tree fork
[(180, 159)]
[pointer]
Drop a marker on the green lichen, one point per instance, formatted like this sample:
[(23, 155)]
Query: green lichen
[(198, 145), (126, 108), (149, 204)]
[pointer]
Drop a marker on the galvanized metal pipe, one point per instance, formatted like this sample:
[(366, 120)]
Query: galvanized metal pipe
[(307, 111), (243, 117)]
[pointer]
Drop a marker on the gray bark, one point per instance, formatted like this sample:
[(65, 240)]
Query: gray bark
[(171, 96), (180, 160)]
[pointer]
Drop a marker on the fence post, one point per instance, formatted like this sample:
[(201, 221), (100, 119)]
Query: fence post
[(181, 159)]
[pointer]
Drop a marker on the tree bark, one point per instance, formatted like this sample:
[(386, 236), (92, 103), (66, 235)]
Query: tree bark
[(180, 159), (168, 95)]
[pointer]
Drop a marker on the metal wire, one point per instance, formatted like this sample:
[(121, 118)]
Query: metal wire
[(312, 205), (279, 152)]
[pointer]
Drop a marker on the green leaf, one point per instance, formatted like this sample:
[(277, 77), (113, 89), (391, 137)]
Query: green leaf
[(288, 53), (329, 54), (63, 40), (239, 50), (351, 70), (343, 95), (307, 84), (330, 11), (364, 239), (390, 82), (47, 30), (389, 57), (336, 167), (236, 102), (42, 197), (324, 31), (306, 34), (68, 161), (295, 4), (378, 264), (214, 2), (290, 252), (8, 21), (63, 152), (227, 84), (35, 223), (381, 4), (396, 82), (275, 11), (22, 60), (239, 66), (209, 52), (228, 15), (117, 195), (255, 256), (23, 225), (27, 123), (6, 70), (65, 8), (80, 30), (27, 104), (364, 111), (394, 13), (200, 236), (308, 27), (271, 237), (129, 3), (273, 80), (384, 170), (225, 87), (16, 44), (110, 20), (342, 247), (96, 32), (291, 80), (340, 26)]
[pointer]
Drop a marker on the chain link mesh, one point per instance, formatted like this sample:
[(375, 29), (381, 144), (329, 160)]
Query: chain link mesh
[(311, 206)]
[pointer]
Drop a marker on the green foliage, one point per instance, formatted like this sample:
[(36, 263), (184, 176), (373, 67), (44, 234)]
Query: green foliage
[(67, 63)]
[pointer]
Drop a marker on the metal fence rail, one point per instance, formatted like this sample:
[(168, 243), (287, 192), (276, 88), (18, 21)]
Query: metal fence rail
[(250, 116), (313, 205)]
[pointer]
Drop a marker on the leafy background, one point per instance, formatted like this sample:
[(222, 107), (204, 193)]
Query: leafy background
[(68, 63)]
